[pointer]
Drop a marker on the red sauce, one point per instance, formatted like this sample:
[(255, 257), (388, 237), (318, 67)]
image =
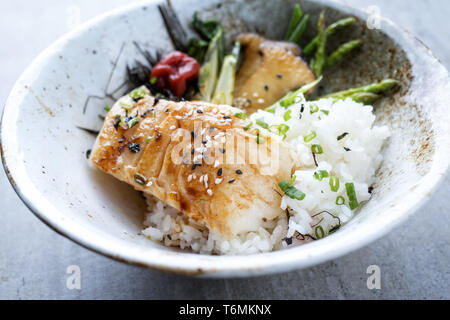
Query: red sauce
[(174, 71)]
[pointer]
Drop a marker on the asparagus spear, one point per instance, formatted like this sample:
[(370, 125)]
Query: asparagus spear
[(211, 67), (319, 60), (299, 30), (295, 20), (341, 52), (367, 94), (289, 99), (225, 84), (309, 49)]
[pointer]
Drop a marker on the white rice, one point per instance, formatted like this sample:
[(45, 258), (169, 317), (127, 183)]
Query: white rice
[(317, 214)]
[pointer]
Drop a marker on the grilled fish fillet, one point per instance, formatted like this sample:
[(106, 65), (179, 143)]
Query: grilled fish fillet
[(183, 154), (270, 70)]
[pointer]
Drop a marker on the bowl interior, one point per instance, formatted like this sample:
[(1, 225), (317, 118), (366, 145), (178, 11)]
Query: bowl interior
[(67, 87)]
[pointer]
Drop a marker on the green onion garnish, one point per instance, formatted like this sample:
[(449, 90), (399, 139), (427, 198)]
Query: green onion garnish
[(133, 122), (153, 80), (107, 108), (247, 127), (313, 108), (149, 138), (260, 122), (125, 106), (240, 115), (334, 183), (138, 94), (282, 129), (325, 111), (291, 191), (317, 149), (340, 200), (287, 115), (319, 175), (309, 136), (351, 194), (319, 232), (259, 139)]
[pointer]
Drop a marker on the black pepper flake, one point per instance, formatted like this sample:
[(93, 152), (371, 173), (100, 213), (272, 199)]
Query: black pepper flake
[(226, 117), (261, 54), (347, 149), (199, 111), (370, 189), (117, 121), (249, 101), (195, 165), (342, 136), (288, 241), (266, 87), (167, 110), (204, 141), (193, 134), (279, 75), (134, 147), (219, 172), (169, 237), (192, 151), (222, 150), (155, 101), (231, 181), (88, 153), (239, 171)]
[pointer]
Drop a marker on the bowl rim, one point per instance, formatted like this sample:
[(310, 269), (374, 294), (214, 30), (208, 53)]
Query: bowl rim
[(197, 264)]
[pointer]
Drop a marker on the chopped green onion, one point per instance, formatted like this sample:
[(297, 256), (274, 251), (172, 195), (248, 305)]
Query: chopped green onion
[(334, 183), (319, 232), (247, 127), (340, 200), (294, 177), (319, 175), (314, 108), (133, 122), (125, 106), (325, 111), (138, 94), (317, 149), (342, 136), (291, 191), (149, 138), (287, 115), (282, 129), (353, 201), (107, 108), (240, 115), (310, 136), (260, 122), (153, 80)]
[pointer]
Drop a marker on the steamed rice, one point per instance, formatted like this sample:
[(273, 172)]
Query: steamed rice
[(353, 159)]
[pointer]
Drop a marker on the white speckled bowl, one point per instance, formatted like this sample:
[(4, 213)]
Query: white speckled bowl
[(44, 153)]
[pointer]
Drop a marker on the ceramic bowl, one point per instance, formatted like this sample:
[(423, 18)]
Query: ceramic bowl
[(67, 86)]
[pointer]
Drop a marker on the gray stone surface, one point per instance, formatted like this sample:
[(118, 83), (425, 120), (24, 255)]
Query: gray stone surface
[(414, 259)]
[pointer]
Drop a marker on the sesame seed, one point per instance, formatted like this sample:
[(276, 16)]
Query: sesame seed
[(149, 184), (238, 171), (219, 172), (231, 181), (216, 163), (199, 111), (201, 179), (173, 127), (260, 100), (222, 150), (218, 180), (279, 76), (209, 192), (266, 87), (189, 179), (255, 95)]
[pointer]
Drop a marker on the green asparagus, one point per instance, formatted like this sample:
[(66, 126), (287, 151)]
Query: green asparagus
[(367, 94), (319, 60), (289, 99), (338, 55), (309, 49), (299, 30), (295, 20)]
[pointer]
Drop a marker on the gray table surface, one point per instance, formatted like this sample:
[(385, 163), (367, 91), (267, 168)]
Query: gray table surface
[(414, 259)]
